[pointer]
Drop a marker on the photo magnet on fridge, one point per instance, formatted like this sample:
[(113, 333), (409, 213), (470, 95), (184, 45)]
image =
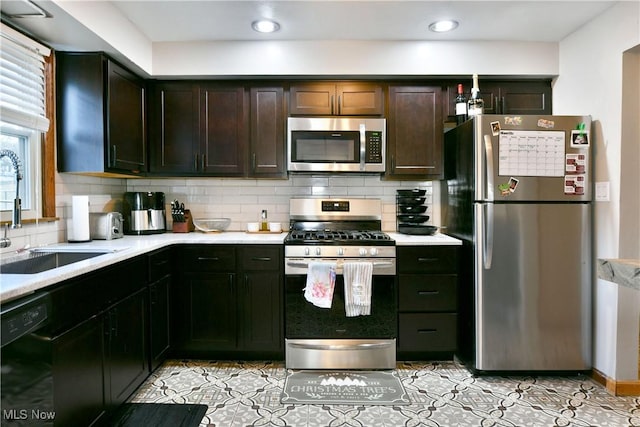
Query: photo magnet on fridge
[(579, 138)]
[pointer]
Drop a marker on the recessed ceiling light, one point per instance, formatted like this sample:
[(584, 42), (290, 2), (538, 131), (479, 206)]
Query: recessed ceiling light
[(265, 26), (443, 26)]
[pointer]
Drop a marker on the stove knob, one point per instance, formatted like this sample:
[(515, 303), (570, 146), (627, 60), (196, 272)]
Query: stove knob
[(318, 251), (340, 251), (362, 251), (374, 251), (306, 251)]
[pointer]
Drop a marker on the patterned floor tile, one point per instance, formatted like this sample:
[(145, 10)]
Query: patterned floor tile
[(242, 394)]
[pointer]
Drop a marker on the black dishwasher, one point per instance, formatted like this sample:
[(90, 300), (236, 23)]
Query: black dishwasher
[(25, 371)]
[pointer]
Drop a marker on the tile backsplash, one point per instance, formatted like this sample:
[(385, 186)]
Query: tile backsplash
[(242, 200)]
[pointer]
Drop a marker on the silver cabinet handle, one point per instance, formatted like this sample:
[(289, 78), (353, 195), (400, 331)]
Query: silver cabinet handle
[(364, 346)]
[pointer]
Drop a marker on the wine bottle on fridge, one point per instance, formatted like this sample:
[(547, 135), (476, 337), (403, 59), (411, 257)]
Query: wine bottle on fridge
[(475, 104), (461, 106)]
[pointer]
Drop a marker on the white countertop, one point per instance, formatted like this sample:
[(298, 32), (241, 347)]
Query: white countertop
[(17, 285)]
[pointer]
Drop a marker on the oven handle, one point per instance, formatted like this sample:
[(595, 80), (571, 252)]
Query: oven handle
[(339, 264), (364, 346)]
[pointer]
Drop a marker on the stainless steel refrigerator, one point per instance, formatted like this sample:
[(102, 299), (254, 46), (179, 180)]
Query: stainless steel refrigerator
[(519, 197)]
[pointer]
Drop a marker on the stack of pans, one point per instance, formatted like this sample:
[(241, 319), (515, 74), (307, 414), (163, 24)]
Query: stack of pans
[(410, 212)]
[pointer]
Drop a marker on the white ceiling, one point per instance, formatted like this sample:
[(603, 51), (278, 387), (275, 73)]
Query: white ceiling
[(184, 21)]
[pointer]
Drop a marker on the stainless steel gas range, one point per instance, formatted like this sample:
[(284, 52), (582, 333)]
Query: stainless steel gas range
[(339, 232)]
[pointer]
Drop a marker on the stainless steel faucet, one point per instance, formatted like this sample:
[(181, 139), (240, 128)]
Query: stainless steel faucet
[(17, 204)]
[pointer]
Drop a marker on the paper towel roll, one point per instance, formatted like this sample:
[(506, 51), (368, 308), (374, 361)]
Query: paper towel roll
[(80, 231)]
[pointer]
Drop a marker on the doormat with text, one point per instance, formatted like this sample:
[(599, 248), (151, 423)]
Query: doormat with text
[(344, 388)]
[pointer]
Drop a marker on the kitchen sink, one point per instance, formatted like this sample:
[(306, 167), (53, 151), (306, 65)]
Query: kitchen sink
[(39, 261)]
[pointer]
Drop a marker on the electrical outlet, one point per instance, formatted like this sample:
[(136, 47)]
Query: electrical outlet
[(602, 191)]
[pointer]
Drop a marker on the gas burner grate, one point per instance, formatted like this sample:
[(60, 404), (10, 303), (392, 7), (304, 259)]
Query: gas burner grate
[(337, 236)]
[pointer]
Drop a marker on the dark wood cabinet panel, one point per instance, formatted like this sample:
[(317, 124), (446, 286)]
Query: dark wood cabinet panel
[(174, 128), (126, 120), (427, 301), (260, 299), (505, 97), (100, 116), (77, 368), (328, 98), (427, 332), (414, 133), (435, 292), (207, 312), (224, 311), (159, 321), (223, 140), (428, 259), (267, 142), (125, 348)]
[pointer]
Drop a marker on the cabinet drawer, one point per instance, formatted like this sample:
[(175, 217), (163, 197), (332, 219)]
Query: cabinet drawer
[(420, 292), (261, 257), (159, 265), (208, 258), (427, 259), (427, 332)]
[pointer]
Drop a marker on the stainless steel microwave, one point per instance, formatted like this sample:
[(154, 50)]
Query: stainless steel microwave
[(336, 144)]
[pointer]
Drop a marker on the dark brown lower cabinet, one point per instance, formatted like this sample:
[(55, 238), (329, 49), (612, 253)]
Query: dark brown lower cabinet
[(229, 302), (98, 342), (125, 356), (78, 374), (427, 301), (159, 321)]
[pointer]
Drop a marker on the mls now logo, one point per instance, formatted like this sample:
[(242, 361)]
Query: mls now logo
[(25, 414)]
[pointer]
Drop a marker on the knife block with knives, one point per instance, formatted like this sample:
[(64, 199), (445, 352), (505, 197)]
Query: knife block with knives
[(182, 219)]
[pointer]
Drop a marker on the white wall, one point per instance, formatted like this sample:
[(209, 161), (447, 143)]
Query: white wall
[(590, 82), (351, 57)]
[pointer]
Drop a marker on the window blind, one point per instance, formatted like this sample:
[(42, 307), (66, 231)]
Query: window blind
[(22, 84)]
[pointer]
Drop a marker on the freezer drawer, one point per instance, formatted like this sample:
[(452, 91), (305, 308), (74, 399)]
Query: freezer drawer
[(533, 286)]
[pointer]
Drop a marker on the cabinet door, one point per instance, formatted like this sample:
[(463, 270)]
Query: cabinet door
[(312, 99), (415, 132), (223, 139), (125, 357), (525, 98), (126, 120), (207, 312), (159, 321), (78, 374), (174, 128), (260, 298), (359, 99), (267, 144)]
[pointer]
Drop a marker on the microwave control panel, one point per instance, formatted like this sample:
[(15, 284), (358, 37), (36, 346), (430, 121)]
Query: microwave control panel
[(373, 146)]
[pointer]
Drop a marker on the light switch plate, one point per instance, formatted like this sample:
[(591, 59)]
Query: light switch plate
[(602, 191)]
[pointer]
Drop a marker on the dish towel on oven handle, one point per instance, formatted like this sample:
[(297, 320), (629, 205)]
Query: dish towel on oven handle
[(321, 280), (357, 288)]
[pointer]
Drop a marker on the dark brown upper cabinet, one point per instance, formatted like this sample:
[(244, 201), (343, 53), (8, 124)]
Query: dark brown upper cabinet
[(174, 121), (341, 99), (505, 97), (217, 129), (414, 132), (101, 116), (267, 141), (223, 136)]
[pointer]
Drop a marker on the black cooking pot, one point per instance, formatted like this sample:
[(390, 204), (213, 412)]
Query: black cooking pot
[(422, 230), (411, 193), (413, 219), (410, 209)]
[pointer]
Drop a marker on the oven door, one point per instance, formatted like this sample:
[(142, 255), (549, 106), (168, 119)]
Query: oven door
[(321, 338), (304, 320)]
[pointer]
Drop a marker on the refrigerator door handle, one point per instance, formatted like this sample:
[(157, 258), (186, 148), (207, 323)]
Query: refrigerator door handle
[(487, 247), (488, 149)]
